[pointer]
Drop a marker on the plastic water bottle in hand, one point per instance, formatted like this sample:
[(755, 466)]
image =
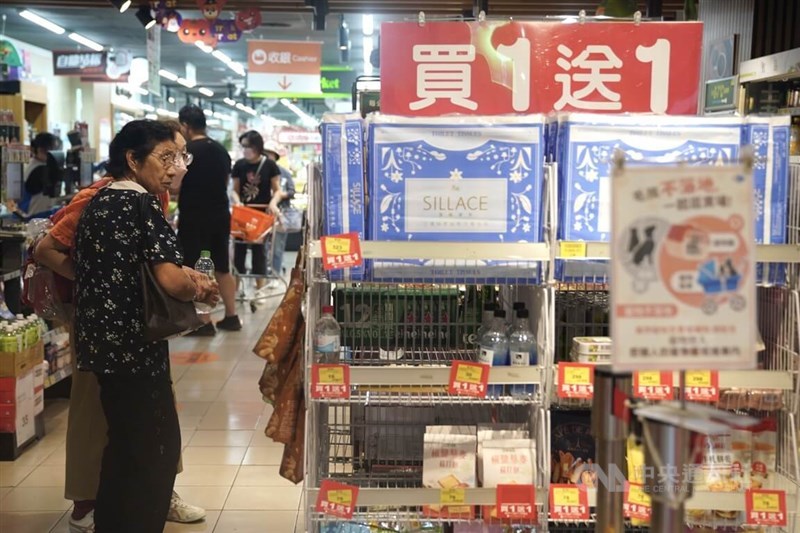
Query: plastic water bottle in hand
[(205, 266)]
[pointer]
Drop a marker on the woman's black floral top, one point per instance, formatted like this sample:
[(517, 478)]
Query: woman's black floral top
[(113, 240)]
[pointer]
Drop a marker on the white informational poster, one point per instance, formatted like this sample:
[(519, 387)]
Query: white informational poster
[(683, 268), (154, 58), (25, 423)]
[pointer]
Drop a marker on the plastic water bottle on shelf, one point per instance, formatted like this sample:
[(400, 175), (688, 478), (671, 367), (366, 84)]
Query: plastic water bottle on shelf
[(205, 266), (494, 347), (486, 321), (512, 322), (327, 335), (522, 350)]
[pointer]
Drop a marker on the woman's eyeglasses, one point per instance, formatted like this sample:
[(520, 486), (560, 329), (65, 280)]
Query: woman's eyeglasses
[(170, 159)]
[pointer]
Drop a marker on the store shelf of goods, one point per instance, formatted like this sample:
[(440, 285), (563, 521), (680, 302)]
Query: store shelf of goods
[(765, 253)]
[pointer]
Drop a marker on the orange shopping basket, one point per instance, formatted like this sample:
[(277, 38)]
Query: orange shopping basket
[(250, 224)]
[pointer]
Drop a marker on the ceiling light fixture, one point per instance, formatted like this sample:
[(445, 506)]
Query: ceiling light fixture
[(203, 46), (367, 25), (145, 16), (88, 43), (206, 92), (168, 75), (208, 112), (151, 116), (229, 101), (222, 56), (134, 89), (237, 68), (344, 34), (368, 47), (186, 83), (41, 21), (305, 118), (122, 5)]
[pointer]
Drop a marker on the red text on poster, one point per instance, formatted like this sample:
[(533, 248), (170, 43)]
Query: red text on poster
[(341, 251), (765, 508), (337, 499), (469, 379), (492, 68), (637, 502), (516, 502), (330, 381), (575, 380), (702, 386), (569, 502), (653, 385)]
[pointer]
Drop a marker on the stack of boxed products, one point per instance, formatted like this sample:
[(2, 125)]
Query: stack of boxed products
[(480, 179), (22, 371)]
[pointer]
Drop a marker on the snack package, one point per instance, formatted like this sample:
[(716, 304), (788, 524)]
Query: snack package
[(733, 399), (488, 432), (765, 400), (715, 474), (507, 462), (449, 459), (765, 447), (573, 448)]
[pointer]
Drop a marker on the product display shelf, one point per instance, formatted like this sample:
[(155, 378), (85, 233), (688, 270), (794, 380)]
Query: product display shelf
[(765, 253)]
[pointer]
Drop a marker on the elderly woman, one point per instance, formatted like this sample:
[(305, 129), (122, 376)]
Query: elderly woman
[(116, 234)]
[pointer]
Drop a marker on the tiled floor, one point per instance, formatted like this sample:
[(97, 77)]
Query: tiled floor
[(230, 467)]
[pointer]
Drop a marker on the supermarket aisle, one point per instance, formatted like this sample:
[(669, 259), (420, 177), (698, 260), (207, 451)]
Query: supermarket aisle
[(230, 467)]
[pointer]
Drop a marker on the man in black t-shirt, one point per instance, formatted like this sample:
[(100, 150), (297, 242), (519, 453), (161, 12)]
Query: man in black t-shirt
[(204, 220)]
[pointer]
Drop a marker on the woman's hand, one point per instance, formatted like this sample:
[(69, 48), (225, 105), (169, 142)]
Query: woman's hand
[(207, 290)]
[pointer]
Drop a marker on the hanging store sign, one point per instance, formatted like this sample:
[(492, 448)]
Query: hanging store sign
[(299, 137), (492, 68), (92, 66), (569, 502), (284, 67), (765, 508), (683, 295), (469, 379), (337, 499)]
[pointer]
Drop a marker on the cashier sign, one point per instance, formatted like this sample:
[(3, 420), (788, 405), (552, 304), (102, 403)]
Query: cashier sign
[(683, 266), (501, 67)]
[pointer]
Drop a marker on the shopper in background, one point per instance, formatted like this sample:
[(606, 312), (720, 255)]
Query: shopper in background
[(272, 150), (86, 425), (42, 176), (257, 184), (204, 218), (140, 461)]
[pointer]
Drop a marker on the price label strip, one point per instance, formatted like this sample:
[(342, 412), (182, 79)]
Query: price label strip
[(765, 508), (569, 502), (702, 386), (637, 502), (341, 251), (469, 379), (330, 381), (516, 502), (653, 385), (337, 499), (575, 381)]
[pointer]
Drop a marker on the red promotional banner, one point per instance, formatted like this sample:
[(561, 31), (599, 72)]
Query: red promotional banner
[(653, 385), (569, 502), (516, 502), (491, 68)]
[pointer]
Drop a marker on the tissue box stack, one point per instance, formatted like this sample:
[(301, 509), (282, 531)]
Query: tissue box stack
[(455, 179), (343, 182), (584, 149)]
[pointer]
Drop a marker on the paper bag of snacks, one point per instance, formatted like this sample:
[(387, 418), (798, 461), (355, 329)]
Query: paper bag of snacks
[(488, 432), (765, 448), (449, 459)]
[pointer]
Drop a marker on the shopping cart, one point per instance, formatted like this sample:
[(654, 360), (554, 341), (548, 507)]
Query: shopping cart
[(251, 225)]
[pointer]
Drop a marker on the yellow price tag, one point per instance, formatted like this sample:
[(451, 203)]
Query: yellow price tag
[(469, 374), (637, 495), (452, 496), (649, 378), (566, 496), (571, 250), (698, 378), (341, 497), (766, 503), (578, 375), (331, 376), (337, 246)]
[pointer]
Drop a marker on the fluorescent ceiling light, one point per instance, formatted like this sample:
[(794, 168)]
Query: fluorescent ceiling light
[(368, 47), (305, 118), (237, 68), (41, 21), (135, 89), (208, 112), (186, 83), (222, 116), (240, 106), (122, 5), (162, 111), (229, 101), (145, 16), (203, 46), (206, 92), (148, 108), (171, 99), (219, 54), (367, 25), (168, 75), (213, 122), (151, 116), (78, 38)]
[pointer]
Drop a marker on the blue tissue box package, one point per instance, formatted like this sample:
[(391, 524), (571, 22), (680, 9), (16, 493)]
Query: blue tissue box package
[(343, 182), (769, 137), (585, 146)]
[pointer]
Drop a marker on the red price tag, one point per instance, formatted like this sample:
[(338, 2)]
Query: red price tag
[(337, 499), (341, 251), (330, 381), (569, 502), (702, 386), (469, 379), (765, 508), (653, 385), (637, 502), (575, 381), (516, 502)]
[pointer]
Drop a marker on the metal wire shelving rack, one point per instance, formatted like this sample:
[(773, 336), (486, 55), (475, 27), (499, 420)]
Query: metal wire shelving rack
[(399, 373)]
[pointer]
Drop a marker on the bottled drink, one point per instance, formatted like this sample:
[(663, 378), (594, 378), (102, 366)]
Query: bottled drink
[(494, 347), (205, 266), (511, 323), (486, 321), (327, 337), (8, 341), (522, 350)]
